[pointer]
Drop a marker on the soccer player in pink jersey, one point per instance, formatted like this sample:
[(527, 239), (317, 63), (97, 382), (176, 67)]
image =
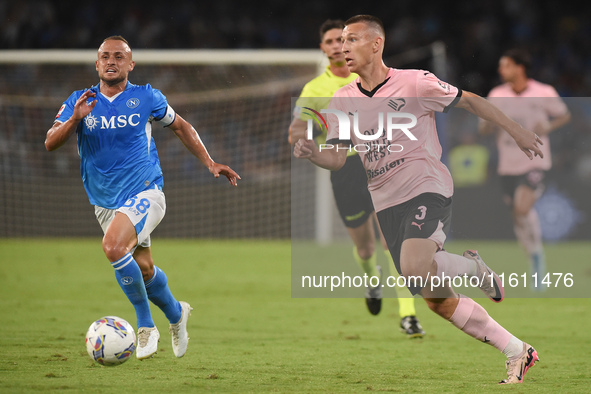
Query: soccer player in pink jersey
[(349, 184), (538, 107), (411, 188)]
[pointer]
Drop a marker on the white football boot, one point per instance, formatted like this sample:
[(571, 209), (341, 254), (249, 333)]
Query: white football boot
[(180, 336), (147, 342)]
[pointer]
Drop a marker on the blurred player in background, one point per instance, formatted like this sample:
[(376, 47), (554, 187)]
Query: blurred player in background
[(538, 107), (411, 188), (349, 184), (123, 179)]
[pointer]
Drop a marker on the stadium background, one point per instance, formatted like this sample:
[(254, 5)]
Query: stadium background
[(243, 111)]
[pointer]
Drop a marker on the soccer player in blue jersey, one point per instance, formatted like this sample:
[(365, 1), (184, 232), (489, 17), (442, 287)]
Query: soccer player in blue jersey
[(123, 179)]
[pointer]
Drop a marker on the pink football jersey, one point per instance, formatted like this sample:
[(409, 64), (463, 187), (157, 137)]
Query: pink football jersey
[(409, 163), (537, 104)]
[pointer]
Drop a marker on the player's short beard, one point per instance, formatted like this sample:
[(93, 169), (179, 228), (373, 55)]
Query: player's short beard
[(114, 82)]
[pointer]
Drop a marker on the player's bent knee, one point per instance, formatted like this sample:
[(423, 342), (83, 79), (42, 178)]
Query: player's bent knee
[(416, 267), (365, 252), (147, 273), (143, 258), (114, 251), (147, 269)]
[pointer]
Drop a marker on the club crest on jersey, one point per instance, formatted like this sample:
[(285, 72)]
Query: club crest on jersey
[(397, 104), (444, 86), (133, 103)]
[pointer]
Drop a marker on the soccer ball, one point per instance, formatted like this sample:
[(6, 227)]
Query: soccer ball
[(110, 341)]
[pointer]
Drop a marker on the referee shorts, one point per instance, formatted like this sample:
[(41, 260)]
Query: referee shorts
[(533, 179), (349, 186)]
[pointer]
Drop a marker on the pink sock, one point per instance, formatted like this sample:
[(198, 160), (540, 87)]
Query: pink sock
[(453, 265), (471, 318)]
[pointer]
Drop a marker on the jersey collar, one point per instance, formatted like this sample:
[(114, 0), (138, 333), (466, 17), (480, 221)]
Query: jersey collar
[(374, 90), (97, 88)]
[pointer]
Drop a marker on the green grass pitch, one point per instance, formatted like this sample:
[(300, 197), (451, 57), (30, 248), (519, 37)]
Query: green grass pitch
[(249, 335)]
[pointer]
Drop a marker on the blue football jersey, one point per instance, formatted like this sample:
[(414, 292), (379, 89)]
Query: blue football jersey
[(118, 157)]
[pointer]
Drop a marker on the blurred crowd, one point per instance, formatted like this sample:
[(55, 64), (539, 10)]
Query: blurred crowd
[(475, 32)]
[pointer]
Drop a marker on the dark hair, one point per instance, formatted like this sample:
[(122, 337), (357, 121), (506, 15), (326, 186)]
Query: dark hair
[(119, 38), (330, 24), (370, 20), (520, 57)]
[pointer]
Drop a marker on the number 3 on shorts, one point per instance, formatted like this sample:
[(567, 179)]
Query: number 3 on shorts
[(423, 213)]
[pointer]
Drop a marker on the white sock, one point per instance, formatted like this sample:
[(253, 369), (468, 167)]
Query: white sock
[(514, 347), (454, 265)]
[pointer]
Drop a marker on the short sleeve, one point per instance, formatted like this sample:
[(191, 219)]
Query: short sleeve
[(161, 111), (67, 109), (435, 94), (554, 104)]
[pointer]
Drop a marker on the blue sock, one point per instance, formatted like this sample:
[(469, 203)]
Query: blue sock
[(129, 277), (160, 295)]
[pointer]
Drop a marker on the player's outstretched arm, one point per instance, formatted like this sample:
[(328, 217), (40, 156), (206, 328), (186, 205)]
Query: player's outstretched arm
[(527, 140), (190, 138), (330, 158), (485, 127), (60, 132)]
